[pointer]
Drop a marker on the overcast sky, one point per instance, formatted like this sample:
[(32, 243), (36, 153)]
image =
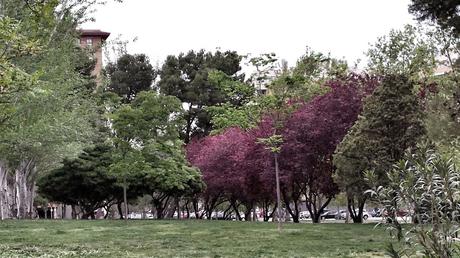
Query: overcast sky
[(162, 27)]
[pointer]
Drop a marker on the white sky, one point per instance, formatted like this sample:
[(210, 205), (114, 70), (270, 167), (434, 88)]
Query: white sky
[(342, 27)]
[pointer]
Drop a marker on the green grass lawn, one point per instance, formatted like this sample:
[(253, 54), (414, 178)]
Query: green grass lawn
[(149, 238)]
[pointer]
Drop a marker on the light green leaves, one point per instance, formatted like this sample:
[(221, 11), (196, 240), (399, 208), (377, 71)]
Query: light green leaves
[(272, 143), (148, 146), (403, 51)]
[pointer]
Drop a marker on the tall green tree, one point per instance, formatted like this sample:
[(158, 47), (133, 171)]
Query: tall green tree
[(443, 12), (391, 122), (148, 148), (130, 75), (428, 54), (441, 94), (302, 82), (186, 77), (49, 107), (84, 181), (404, 51)]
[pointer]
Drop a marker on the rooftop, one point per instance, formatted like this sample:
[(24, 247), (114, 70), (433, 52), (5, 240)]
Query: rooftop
[(102, 34)]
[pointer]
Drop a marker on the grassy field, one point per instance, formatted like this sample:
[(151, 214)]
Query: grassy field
[(187, 239)]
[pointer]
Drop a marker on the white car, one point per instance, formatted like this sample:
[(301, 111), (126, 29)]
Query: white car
[(343, 215), (135, 215), (303, 215)]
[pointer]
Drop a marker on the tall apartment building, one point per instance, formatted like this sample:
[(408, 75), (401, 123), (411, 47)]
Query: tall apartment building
[(94, 39)]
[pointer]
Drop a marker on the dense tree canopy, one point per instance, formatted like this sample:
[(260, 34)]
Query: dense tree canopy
[(234, 169), (312, 134), (443, 12), (148, 148), (390, 123), (404, 51), (130, 75), (47, 110), (281, 138), (84, 181), (186, 77)]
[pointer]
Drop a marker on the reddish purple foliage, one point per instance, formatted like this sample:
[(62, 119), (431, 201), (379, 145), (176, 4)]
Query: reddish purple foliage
[(236, 167), (233, 165), (313, 132)]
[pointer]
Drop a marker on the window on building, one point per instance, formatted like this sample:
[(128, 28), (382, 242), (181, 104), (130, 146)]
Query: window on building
[(89, 42)]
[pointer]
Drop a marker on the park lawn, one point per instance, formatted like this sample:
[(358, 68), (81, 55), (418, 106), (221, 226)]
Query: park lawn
[(191, 238)]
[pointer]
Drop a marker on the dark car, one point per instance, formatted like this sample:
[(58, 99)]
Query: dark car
[(328, 215)]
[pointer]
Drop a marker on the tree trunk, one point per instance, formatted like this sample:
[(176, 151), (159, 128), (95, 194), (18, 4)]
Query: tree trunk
[(228, 213), (2, 190), (177, 201), (25, 197), (160, 204), (31, 188), (356, 217), (196, 208), (17, 185), (88, 213), (266, 210), (294, 213), (235, 208), (210, 205), (63, 211), (169, 208), (74, 212), (187, 210), (120, 210), (30, 212), (125, 200), (24, 186), (247, 214), (1, 203), (278, 191)]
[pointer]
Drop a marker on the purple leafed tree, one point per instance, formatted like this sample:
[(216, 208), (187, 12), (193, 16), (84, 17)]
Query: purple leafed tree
[(232, 168), (311, 136), (239, 170)]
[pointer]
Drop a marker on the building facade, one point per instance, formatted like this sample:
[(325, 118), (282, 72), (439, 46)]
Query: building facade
[(93, 40)]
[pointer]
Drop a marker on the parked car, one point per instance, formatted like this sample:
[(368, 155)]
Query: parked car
[(303, 215), (343, 214), (365, 215), (399, 213), (328, 215), (402, 213), (376, 212), (135, 215)]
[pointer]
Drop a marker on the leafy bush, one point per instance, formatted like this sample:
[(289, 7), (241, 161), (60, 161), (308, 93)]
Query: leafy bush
[(428, 185)]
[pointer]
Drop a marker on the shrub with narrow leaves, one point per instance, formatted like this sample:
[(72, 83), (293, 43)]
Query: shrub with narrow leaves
[(428, 185)]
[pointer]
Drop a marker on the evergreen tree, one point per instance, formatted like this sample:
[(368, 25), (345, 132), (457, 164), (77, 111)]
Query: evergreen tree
[(84, 181), (130, 75), (390, 123), (443, 12), (186, 77)]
